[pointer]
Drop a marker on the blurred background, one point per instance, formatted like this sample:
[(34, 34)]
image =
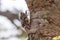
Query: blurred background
[(11, 27), (10, 24)]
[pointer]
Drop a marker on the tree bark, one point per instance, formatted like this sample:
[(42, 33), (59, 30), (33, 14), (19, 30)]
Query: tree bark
[(44, 19)]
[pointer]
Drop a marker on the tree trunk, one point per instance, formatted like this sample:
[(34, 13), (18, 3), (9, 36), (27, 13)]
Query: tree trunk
[(45, 19)]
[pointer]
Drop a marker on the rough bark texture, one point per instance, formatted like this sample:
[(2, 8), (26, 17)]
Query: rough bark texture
[(45, 19)]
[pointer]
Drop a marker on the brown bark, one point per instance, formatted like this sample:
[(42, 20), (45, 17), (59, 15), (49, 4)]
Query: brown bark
[(45, 19)]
